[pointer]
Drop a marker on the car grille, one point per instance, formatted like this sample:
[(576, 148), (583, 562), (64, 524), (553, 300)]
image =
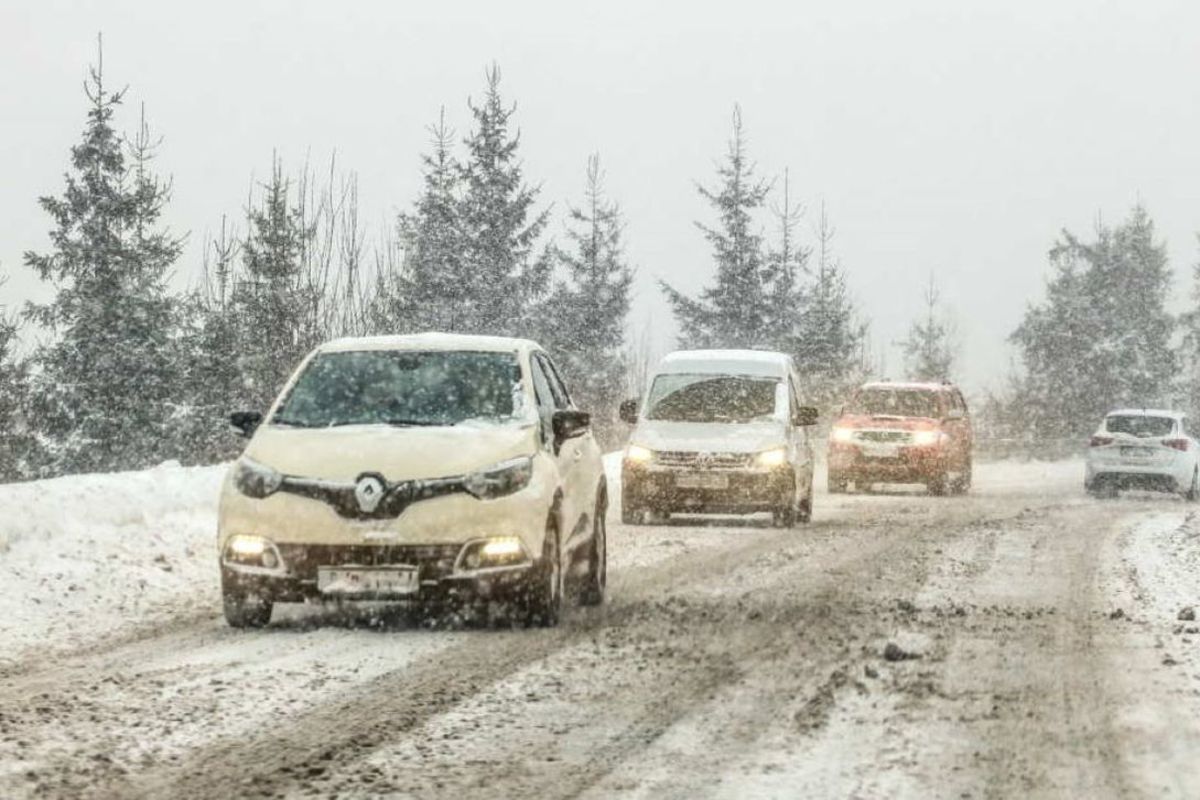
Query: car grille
[(890, 437), (435, 561), (695, 460)]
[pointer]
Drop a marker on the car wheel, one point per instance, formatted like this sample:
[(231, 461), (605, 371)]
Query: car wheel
[(1193, 492), (543, 596), (837, 485), (962, 481), (804, 510), (937, 485), (245, 610), (592, 593)]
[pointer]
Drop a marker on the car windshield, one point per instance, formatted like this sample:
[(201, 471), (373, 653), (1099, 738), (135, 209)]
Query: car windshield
[(390, 387), (711, 398), (1140, 425), (895, 403)]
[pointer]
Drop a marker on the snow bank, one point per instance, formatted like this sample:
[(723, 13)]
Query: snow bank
[(84, 557)]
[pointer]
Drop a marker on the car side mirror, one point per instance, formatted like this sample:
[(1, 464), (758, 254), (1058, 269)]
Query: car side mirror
[(569, 423), (628, 410), (955, 413), (245, 422), (805, 416)]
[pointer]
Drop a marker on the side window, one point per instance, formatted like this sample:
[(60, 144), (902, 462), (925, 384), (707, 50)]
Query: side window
[(561, 398), (545, 397)]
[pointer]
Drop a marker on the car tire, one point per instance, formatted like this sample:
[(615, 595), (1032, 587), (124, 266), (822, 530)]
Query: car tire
[(837, 485), (245, 610), (544, 593), (937, 485), (592, 591), (804, 510), (962, 481)]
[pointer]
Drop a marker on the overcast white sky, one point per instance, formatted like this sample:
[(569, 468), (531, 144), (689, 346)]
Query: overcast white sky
[(947, 137)]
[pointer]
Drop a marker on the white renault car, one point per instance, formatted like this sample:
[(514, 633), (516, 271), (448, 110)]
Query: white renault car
[(1143, 449), (416, 467), (720, 432)]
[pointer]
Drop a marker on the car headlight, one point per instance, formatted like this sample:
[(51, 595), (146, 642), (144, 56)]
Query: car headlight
[(927, 438), (842, 435), (254, 479), (498, 551), (772, 458), (500, 479), (252, 551), (637, 454)]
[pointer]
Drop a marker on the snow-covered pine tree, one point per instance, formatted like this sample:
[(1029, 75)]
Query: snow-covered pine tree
[(830, 341), (502, 277), (430, 291), (1189, 354), (105, 385), (786, 263), (16, 440), (928, 348), (589, 306), (1102, 339), (276, 308), (735, 310)]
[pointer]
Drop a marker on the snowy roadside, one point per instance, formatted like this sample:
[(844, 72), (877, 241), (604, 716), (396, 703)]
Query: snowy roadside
[(87, 557)]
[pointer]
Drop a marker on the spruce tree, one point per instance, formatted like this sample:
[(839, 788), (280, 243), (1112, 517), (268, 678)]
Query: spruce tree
[(928, 349), (105, 385), (17, 444), (736, 309), (588, 308), (502, 277)]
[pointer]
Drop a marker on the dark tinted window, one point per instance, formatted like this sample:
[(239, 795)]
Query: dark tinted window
[(1140, 425), (711, 398), (390, 387)]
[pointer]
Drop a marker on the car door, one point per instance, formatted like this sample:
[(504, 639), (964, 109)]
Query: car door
[(566, 457), (583, 467)]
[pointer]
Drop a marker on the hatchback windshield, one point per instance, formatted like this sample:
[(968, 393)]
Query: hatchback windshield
[(1141, 426), (711, 398), (895, 403), (389, 387)]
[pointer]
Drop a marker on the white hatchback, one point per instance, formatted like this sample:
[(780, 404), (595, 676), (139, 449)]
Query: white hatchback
[(1143, 449)]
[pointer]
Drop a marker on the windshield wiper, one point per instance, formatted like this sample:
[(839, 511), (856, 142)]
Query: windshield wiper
[(292, 423), (404, 423)]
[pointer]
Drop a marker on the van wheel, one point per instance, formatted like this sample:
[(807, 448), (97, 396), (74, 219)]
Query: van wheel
[(592, 592), (544, 594)]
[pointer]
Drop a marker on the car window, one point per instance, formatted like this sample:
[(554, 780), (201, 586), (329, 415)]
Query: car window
[(562, 399), (886, 401), (544, 396), (1140, 425)]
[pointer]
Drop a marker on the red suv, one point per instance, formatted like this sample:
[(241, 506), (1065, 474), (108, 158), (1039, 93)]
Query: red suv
[(902, 433)]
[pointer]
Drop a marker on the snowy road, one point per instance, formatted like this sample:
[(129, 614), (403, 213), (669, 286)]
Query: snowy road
[(1036, 650)]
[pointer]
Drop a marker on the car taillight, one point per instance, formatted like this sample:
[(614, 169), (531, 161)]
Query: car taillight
[(1177, 444), (1100, 441)]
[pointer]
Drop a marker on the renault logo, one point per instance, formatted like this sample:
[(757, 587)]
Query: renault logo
[(368, 491)]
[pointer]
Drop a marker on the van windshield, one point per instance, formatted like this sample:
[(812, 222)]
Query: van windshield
[(401, 387), (711, 398)]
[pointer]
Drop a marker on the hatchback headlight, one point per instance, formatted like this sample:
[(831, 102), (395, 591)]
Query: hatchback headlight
[(500, 479), (771, 459), (254, 479)]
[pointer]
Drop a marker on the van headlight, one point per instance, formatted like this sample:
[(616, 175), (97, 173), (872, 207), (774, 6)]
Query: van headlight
[(770, 459), (500, 479), (636, 454), (254, 479)]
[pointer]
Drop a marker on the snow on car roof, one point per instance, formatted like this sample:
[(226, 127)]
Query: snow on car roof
[(910, 385), (1145, 412), (726, 362), (430, 341)]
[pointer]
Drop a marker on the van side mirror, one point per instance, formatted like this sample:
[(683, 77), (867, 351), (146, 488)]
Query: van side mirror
[(805, 416), (569, 423), (628, 410), (245, 422)]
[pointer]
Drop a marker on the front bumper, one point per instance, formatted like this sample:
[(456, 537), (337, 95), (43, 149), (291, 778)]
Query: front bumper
[(910, 465), (745, 491), (439, 572)]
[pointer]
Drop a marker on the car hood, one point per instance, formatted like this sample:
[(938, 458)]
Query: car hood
[(886, 422), (709, 437), (342, 454)]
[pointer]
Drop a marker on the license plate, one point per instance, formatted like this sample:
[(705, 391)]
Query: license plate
[(701, 480), (1137, 453), (367, 580), (880, 450)]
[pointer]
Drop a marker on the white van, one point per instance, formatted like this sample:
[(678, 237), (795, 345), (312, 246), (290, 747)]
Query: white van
[(720, 432)]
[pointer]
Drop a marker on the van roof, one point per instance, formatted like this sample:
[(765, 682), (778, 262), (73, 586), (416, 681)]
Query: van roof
[(431, 341), (726, 362)]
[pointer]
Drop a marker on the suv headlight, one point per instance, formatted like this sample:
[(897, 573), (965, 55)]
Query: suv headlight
[(771, 459), (500, 479), (928, 438), (254, 479), (842, 435)]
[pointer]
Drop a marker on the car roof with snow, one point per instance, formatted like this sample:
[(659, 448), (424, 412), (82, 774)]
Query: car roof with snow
[(726, 362), (909, 385), (431, 341), (1145, 412)]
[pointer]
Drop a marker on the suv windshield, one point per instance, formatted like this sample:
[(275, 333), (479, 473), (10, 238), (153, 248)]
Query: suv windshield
[(711, 398), (1141, 426), (400, 387), (895, 403)]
